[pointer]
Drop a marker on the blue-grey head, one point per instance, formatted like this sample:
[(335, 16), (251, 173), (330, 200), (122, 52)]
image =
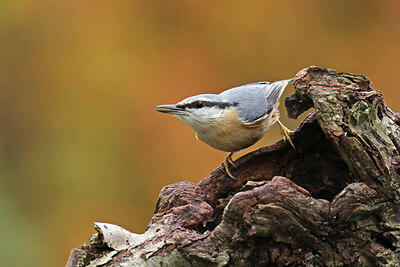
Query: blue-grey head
[(199, 109)]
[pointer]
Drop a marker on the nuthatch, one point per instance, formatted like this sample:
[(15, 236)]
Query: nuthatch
[(234, 119)]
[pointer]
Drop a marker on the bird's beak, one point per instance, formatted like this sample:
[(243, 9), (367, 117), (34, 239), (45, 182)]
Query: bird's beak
[(170, 109)]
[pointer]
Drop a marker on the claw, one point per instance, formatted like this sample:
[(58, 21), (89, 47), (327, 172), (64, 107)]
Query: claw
[(225, 164), (230, 161), (286, 133)]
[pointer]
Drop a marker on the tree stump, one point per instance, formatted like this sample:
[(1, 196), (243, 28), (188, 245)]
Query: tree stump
[(334, 201)]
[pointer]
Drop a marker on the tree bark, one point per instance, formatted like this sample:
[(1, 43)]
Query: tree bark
[(334, 201)]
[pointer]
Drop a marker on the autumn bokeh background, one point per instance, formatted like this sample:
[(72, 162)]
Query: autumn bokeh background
[(80, 140)]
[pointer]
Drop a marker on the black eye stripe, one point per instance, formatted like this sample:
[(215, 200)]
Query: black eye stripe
[(200, 104)]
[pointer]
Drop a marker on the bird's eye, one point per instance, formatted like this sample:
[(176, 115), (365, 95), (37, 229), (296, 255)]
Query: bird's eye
[(198, 104)]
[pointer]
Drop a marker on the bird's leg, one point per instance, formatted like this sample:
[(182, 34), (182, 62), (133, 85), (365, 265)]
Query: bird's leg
[(230, 160), (286, 133), (225, 164)]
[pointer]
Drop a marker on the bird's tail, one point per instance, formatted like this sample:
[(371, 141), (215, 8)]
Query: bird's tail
[(274, 90)]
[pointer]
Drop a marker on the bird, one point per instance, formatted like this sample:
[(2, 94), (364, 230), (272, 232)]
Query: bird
[(234, 119)]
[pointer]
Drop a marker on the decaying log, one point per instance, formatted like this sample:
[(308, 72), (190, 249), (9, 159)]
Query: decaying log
[(334, 201)]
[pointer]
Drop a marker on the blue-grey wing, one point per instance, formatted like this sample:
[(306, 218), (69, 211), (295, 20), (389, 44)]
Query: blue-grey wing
[(249, 100), (255, 101)]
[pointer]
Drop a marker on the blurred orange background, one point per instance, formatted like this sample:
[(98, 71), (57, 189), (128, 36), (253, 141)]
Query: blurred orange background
[(80, 140)]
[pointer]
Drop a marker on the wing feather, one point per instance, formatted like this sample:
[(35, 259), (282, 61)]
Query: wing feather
[(255, 101)]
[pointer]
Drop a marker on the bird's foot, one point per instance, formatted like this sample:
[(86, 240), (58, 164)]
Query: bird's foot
[(225, 164), (286, 133), (230, 161)]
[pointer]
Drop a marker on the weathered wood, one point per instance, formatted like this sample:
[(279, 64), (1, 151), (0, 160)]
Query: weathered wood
[(334, 201)]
